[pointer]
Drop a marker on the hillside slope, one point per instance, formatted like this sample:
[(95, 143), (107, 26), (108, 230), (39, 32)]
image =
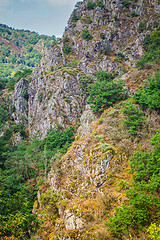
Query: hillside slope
[(102, 79), (20, 49)]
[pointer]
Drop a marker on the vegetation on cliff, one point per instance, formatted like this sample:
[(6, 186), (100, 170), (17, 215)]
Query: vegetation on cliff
[(99, 179)]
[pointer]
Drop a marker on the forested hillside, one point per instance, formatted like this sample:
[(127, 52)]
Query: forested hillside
[(80, 132), (20, 49)]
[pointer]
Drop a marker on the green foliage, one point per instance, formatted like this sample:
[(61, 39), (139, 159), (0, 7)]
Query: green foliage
[(24, 93), (75, 17), (134, 14), (20, 166), (155, 24), (126, 3), (18, 128), (100, 4), (73, 63), (18, 75), (58, 140), (8, 108), (142, 27), (155, 40), (104, 93), (3, 82), (4, 116), (86, 35), (49, 201), (91, 5), (150, 95), (156, 139), (67, 49), (85, 83), (154, 231), (151, 44), (120, 56), (102, 35), (146, 41), (66, 39), (135, 117), (104, 76), (105, 49), (105, 147), (143, 203), (23, 49)]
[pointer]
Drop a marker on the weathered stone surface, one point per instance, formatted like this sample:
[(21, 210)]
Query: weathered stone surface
[(72, 222), (53, 99), (20, 114), (85, 120)]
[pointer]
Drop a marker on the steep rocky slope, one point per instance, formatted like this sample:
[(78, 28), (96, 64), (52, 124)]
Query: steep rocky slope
[(86, 183), (117, 32)]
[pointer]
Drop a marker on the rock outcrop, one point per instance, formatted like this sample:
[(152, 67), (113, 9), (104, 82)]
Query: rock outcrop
[(20, 101), (54, 98), (84, 174), (115, 45)]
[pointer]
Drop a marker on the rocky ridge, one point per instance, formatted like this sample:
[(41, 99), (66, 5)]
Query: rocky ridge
[(92, 176), (54, 95)]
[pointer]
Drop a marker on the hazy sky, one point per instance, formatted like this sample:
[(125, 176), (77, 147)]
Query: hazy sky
[(42, 16)]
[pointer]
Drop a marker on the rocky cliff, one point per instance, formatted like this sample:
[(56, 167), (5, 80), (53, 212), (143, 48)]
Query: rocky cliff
[(91, 178), (117, 30)]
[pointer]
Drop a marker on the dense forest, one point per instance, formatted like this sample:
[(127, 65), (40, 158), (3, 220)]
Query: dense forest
[(126, 126), (20, 49)]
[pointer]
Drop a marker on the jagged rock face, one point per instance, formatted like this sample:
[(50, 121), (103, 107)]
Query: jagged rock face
[(87, 117), (119, 29), (72, 222), (20, 114), (53, 99), (112, 27), (54, 96)]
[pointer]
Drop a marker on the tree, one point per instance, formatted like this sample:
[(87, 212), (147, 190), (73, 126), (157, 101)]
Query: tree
[(86, 35), (150, 95), (105, 93), (134, 119)]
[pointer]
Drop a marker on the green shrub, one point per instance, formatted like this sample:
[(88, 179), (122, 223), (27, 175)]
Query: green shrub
[(155, 24), (66, 39), (67, 49), (151, 44), (85, 83), (58, 140), (90, 5), (86, 35), (4, 116), (126, 3), (89, 21), (104, 76), (142, 27), (100, 4), (154, 231), (102, 35), (73, 63), (135, 117), (24, 93), (155, 40), (146, 41), (105, 93), (106, 50), (134, 14), (150, 95), (75, 17), (49, 201), (143, 202), (120, 55)]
